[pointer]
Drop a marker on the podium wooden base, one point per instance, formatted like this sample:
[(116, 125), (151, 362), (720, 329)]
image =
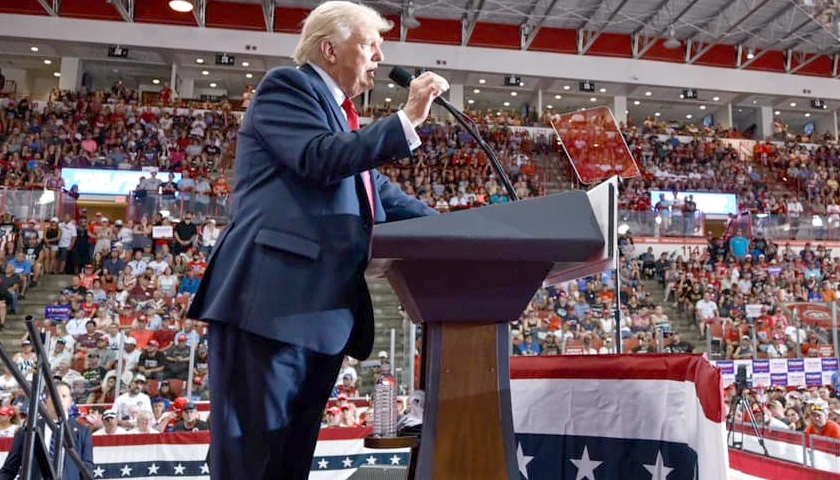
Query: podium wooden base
[(467, 423)]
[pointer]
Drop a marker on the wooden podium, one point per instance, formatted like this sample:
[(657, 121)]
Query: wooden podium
[(464, 276)]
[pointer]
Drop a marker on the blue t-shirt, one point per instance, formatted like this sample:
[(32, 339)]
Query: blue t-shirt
[(738, 246), (21, 268)]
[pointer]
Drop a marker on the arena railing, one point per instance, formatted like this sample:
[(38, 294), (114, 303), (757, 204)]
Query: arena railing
[(644, 223), (818, 452), (805, 227), (202, 206), (36, 204)]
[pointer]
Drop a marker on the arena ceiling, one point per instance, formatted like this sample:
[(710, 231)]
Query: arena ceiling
[(765, 35), (772, 35)]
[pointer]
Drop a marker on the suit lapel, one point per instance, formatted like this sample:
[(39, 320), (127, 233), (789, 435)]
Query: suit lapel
[(338, 119), (327, 99)]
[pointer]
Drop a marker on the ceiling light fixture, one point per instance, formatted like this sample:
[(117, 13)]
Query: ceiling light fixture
[(199, 61), (34, 49), (702, 107), (182, 6), (792, 104), (507, 104), (603, 90), (476, 91), (249, 75), (482, 81), (56, 74), (715, 99), (647, 94), (593, 99), (47, 61), (471, 101), (388, 100), (558, 97), (549, 107), (156, 81), (512, 94), (777, 112), (566, 87), (390, 85), (212, 85), (807, 114), (205, 72), (246, 64), (657, 114), (688, 116), (636, 102)]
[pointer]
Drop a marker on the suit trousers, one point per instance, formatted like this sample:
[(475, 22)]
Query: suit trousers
[(268, 398)]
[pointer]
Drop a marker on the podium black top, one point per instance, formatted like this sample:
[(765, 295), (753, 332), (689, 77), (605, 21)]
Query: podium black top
[(557, 228), (484, 264)]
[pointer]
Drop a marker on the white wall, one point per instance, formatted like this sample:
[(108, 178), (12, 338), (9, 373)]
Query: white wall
[(20, 77)]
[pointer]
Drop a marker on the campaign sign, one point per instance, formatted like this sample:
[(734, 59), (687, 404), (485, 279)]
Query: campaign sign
[(727, 367), (778, 365), (57, 313), (761, 366), (829, 364), (813, 379), (796, 365), (778, 379)]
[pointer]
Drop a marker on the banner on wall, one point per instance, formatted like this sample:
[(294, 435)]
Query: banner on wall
[(784, 372)]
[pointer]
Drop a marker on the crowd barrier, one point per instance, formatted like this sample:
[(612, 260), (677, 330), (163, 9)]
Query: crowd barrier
[(785, 372), (819, 453)]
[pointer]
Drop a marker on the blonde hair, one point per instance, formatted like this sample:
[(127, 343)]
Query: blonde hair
[(334, 20)]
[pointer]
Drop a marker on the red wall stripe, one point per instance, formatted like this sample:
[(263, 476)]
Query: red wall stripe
[(718, 56), (437, 31), (662, 54), (393, 33), (22, 7), (89, 10), (555, 40), (158, 11), (612, 45), (773, 61), (239, 16), (289, 20), (821, 67), (495, 36)]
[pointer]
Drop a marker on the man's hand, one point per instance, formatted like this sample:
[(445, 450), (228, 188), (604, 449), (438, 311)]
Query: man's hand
[(421, 93)]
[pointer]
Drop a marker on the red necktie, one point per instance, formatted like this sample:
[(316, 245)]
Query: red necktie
[(353, 121)]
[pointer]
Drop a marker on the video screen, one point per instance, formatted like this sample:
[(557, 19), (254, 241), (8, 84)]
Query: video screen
[(708, 203), (106, 182)]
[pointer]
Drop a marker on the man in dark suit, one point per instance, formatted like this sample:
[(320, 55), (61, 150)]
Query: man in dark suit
[(81, 436), (284, 292)]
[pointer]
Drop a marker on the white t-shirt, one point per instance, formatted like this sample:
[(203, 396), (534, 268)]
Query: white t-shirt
[(706, 308), (68, 231), (129, 406)]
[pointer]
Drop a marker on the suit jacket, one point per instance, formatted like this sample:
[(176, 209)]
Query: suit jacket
[(84, 446), (290, 265)]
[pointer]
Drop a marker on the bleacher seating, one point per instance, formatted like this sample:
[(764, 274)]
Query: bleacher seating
[(111, 130)]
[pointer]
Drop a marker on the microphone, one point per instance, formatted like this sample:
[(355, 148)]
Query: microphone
[(403, 78)]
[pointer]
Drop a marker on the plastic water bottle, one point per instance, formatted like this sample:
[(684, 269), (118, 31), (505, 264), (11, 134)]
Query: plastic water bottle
[(385, 404)]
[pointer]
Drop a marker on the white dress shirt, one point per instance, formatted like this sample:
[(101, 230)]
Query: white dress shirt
[(411, 136)]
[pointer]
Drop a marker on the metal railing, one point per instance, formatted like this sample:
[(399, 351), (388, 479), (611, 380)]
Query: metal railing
[(821, 453), (804, 227), (175, 206), (36, 204), (653, 224)]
